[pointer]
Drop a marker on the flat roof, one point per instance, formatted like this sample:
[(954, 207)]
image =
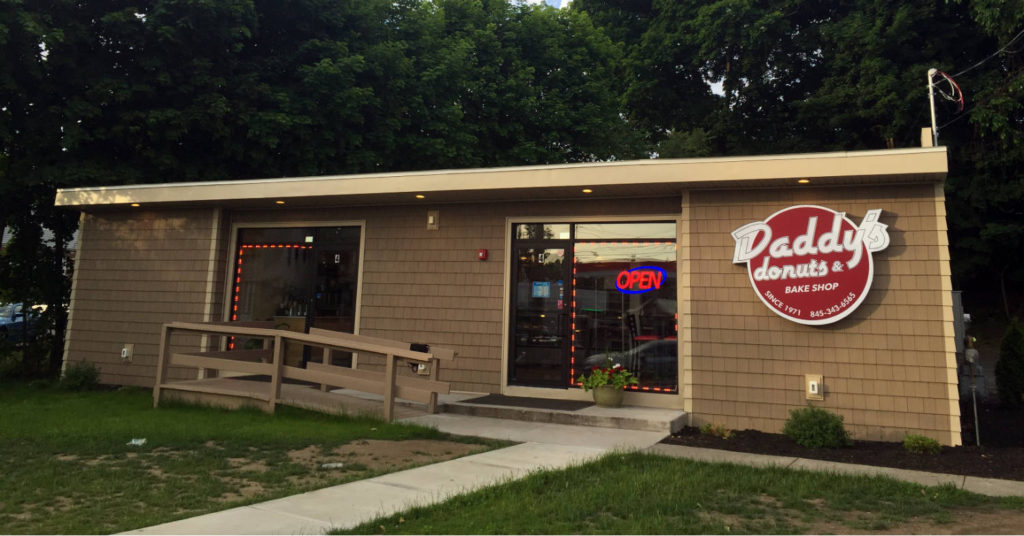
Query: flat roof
[(634, 178)]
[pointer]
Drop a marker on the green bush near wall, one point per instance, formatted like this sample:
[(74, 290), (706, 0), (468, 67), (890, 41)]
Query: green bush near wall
[(920, 444), (816, 428), (80, 376)]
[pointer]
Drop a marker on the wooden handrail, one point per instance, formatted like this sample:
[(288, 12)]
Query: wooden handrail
[(436, 353), (317, 339), (420, 389)]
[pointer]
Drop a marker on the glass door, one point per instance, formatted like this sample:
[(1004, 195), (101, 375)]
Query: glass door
[(334, 287), (540, 311)]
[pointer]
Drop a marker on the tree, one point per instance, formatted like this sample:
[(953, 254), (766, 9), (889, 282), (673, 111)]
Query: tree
[(99, 92), (986, 187), (816, 76), (1010, 367)]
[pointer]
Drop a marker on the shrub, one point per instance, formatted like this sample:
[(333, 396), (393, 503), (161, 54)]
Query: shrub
[(815, 428), (80, 376), (716, 430), (921, 444), (1010, 367)]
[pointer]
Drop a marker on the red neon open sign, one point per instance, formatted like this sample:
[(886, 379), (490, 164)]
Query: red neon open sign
[(640, 279)]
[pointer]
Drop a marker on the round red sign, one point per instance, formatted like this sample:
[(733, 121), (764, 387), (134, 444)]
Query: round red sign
[(811, 264)]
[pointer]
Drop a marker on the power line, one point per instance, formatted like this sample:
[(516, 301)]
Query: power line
[(957, 118), (994, 54)]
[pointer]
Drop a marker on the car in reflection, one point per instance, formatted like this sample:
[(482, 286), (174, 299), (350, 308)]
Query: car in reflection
[(13, 324), (649, 360)]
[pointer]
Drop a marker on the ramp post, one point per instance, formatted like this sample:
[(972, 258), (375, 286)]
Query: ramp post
[(163, 357), (389, 388), (434, 365), (275, 378)]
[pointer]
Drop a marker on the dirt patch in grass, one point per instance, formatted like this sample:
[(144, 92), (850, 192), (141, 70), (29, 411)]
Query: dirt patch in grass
[(62, 504), (964, 521), (367, 457), (824, 520), (248, 466), (252, 473), (356, 459), (244, 490), (376, 455)]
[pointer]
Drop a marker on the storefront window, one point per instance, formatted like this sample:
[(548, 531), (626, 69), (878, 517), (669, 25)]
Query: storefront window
[(542, 231), (624, 310), (297, 278)]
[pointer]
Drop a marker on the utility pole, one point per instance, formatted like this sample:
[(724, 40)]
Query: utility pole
[(931, 105)]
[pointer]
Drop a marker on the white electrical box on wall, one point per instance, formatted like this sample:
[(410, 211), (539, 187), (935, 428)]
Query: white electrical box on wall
[(814, 387), (127, 349)]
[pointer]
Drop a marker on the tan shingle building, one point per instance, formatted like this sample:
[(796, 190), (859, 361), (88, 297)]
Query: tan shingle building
[(730, 285)]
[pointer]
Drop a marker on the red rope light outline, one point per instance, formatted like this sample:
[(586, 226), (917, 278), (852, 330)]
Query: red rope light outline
[(238, 276)]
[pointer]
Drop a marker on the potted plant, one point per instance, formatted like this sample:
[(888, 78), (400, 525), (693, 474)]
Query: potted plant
[(608, 383)]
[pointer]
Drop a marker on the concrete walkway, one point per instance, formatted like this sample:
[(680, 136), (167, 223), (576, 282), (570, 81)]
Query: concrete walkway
[(543, 446)]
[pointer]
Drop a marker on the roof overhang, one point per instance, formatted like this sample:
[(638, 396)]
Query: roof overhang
[(637, 178)]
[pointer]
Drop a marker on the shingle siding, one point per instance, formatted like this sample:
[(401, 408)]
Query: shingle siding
[(886, 367), (135, 271)]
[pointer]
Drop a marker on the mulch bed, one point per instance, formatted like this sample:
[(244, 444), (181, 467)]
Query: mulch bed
[(1000, 456)]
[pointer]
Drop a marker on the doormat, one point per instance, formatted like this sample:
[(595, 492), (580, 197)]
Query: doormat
[(529, 402)]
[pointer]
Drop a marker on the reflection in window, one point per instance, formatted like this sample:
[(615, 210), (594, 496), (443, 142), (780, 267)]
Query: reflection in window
[(609, 231), (542, 231), (624, 310)]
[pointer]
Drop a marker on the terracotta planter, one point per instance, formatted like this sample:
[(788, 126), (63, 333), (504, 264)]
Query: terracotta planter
[(607, 396)]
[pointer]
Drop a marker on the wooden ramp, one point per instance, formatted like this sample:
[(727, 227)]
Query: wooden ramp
[(283, 385), (254, 393)]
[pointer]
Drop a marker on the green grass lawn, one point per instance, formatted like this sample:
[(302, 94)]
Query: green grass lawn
[(67, 468), (635, 493)]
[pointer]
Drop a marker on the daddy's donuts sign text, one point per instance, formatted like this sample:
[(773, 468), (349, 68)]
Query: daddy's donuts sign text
[(811, 264)]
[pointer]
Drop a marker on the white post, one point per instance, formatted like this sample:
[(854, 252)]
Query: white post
[(931, 105)]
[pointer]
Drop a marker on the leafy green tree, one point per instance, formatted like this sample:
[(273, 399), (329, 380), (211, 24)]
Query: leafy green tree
[(796, 76), (99, 92), (1010, 367), (986, 187)]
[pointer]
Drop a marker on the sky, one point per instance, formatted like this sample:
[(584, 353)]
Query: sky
[(552, 3)]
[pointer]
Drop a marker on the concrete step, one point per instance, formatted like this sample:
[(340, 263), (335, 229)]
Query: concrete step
[(624, 418)]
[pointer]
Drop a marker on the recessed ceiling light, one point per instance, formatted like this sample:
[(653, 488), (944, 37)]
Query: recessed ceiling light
[(135, 204), (588, 191), (804, 181), (279, 202), (420, 196)]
